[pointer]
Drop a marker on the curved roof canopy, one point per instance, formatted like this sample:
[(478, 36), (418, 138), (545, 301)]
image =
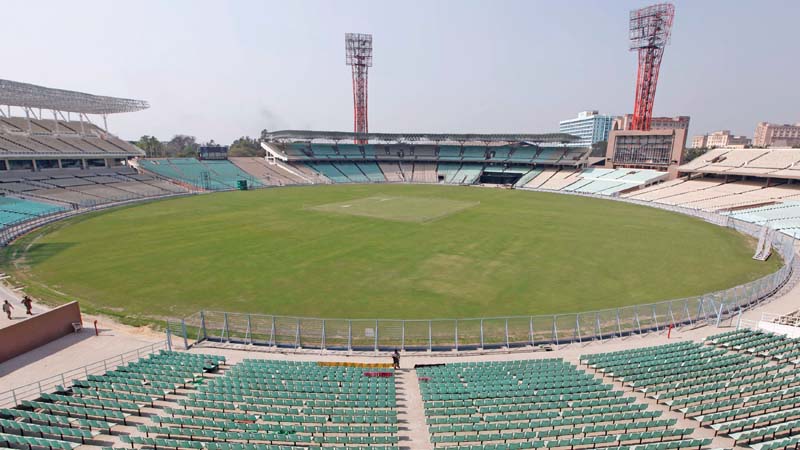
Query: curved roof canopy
[(26, 95), (301, 135)]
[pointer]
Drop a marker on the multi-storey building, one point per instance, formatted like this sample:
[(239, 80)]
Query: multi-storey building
[(590, 126), (776, 135)]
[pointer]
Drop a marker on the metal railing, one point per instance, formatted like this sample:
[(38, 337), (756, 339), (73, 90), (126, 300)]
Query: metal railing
[(9, 233), (496, 332), (30, 391)]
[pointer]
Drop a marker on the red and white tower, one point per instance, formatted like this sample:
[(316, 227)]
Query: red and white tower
[(359, 58), (650, 29)]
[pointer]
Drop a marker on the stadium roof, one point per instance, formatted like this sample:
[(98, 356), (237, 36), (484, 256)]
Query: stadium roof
[(307, 135), (13, 93)]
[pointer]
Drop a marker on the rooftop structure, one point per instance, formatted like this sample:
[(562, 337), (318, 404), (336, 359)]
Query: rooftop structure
[(24, 95), (420, 138)]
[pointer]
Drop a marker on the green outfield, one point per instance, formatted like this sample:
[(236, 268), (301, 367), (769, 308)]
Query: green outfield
[(387, 251)]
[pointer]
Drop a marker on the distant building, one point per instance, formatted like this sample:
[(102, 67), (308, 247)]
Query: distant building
[(654, 149), (722, 138), (657, 123), (699, 141), (775, 135), (590, 126)]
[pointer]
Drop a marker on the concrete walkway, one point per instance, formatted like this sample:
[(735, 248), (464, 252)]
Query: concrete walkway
[(413, 432), (14, 296)]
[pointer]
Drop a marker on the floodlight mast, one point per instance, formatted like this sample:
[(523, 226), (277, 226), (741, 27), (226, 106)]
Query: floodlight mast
[(359, 57), (650, 30)]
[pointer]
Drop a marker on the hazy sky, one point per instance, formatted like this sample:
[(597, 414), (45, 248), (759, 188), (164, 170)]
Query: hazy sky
[(221, 70)]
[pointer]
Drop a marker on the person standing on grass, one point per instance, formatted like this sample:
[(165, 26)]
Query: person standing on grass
[(7, 308), (28, 304)]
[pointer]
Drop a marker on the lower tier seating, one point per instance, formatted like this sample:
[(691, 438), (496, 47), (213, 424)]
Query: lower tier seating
[(545, 403), (741, 394)]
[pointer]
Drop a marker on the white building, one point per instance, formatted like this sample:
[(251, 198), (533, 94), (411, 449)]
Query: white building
[(590, 126)]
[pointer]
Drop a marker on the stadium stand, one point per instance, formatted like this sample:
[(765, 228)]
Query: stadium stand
[(560, 179), (371, 171), (266, 173), (393, 172), (14, 211), (782, 216), (210, 175), (289, 403), (83, 188), (329, 171), (545, 403), (447, 172), (740, 394), (96, 404)]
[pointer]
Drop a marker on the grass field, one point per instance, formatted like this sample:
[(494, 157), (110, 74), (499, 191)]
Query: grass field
[(389, 251)]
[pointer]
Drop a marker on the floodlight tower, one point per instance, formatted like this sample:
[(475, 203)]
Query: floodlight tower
[(650, 29), (359, 58)]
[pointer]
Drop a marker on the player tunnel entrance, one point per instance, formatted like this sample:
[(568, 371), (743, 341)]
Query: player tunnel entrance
[(499, 177)]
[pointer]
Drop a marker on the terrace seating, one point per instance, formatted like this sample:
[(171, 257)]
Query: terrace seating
[(449, 153), (448, 171), (210, 175), (549, 155), (736, 394), (474, 153), (350, 151), (25, 136), (14, 210), (284, 403), (422, 172), (534, 404), (352, 172), (560, 179), (468, 174), (499, 154), (528, 177), (266, 173), (329, 171), (780, 348), (523, 154), (392, 171), (372, 171)]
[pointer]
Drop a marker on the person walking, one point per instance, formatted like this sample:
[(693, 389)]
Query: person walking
[(28, 305), (396, 359), (7, 308)]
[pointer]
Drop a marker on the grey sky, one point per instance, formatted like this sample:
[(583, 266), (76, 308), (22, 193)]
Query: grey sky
[(220, 70)]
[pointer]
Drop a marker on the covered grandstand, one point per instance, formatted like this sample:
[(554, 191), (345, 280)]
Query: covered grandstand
[(62, 164)]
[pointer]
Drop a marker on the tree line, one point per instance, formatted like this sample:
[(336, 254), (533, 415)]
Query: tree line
[(182, 146)]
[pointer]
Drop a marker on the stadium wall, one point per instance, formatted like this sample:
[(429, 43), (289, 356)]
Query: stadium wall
[(38, 330)]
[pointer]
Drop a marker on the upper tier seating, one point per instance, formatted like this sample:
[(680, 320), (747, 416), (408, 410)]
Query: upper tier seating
[(46, 136)]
